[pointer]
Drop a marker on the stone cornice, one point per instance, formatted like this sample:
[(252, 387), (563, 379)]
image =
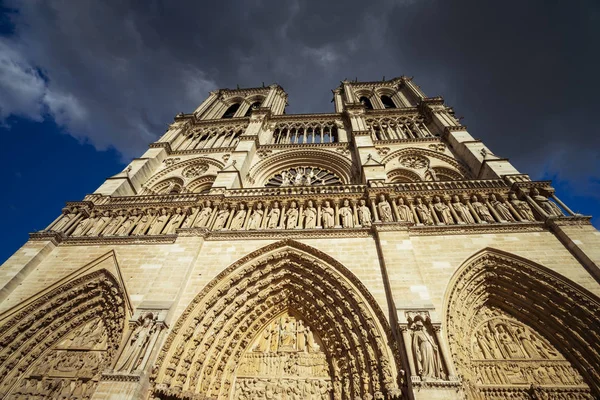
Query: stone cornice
[(420, 230), (112, 240)]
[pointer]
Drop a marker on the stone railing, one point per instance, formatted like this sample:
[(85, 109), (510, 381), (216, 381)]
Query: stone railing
[(309, 129)]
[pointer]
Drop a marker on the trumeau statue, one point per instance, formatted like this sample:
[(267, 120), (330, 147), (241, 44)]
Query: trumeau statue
[(222, 216), (347, 215), (385, 210), (522, 207), (547, 205), (404, 211), (328, 215), (501, 209), (364, 214), (256, 217), (443, 211), (423, 212), (291, 216), (238, 220), (462, 210), (273, 217), (310, 216), (482, 210), (204, 216)]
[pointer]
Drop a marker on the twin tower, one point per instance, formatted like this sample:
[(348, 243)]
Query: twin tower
[(375, 252)]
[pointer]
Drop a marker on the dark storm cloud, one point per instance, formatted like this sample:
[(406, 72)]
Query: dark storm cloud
[(523, 73)]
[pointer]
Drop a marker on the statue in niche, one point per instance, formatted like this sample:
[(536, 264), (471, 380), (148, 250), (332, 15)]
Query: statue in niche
[(385, 210), (273, 217), (112, 225), (310, 216), (99, 224), (291, 216), (85, 224), (127, 224), (426, 353), (547, 205), (204, 216), (404, 211), (159, 222), (222, 216), (142, 224), (443, 211), (138, 342), (66, 218), (501, 209), (482, 210), (462, 210), (364, 214), (238, 220), (347, 215), (174, 222), (423, 212), (256, 217), (522, 207), (328, 215), (287, 334)]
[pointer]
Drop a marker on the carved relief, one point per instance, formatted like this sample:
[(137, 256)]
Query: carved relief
[(194, 171), (304, 176)]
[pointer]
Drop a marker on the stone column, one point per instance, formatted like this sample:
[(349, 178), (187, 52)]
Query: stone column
[(445, 350), (514, 212), (454, 214), (436, 220), (475, 215), (411, 204), (248, 214), (318, 222), (355, 213), (535, 205), (374, 210), (493, 211), (563, 205), (282, 216), (408, 348), (300, 216), (337, 223), (212, 218), (70, 226), (233, 209), (395, 208)]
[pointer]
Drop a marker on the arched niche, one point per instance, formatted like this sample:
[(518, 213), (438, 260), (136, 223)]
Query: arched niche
[(57, 343), (339, 165), (183, 173), (220, 332), (401, 175), (201, 185), (516, 328), (171, 185), (423, 162)]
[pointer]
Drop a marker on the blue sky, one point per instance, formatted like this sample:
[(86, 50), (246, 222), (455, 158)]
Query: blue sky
[(86, 85)]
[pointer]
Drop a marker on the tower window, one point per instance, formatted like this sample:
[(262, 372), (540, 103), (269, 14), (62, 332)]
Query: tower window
[(387, 102), (253, 106), (230, 112), (366, 102)]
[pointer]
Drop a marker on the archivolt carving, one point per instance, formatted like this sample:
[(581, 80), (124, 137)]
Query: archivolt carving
[(430, 154), (184, 165), (206, 346), (57, 345), (201, 185), (507, 317), (403, 175), (447, 174), (336, 163)]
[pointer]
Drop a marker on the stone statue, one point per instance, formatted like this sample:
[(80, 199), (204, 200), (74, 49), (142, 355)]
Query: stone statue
[(256, 217), (273, 217), (510, 348), (159, 223), (127, 224), (443, 211), (285, 179), (138, 342), (112, 225), (425, 353), (189, 218), (310, 216), (501, 209), (291, 216), (404, 211), (482, 210), (462, 210), (364, 214), (423, 212), (66, 218), (99, 224), (238, 220), (174, 222), (547, 205), (287, 333), (522, 207), (385, 211), (222, 216), (328, 215), (142, 224), (84, 225), (346, 215), (204, 216)]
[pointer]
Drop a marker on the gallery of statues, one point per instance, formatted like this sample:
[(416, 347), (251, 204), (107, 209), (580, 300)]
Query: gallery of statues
[(378, 251)]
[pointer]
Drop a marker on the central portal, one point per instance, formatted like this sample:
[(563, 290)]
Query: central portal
[(285, 360)]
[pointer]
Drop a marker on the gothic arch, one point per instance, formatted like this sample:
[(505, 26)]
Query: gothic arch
[(401, 175), (204, 349), (202, 184), (58, 342), (495, 284), (336, 163), (447, 174), (429, 154), (170, 171), (169, 185)]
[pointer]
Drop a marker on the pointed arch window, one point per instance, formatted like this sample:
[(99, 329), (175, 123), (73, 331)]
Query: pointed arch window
[(366, 102), (387, 102), (253, 106), (230, 112)]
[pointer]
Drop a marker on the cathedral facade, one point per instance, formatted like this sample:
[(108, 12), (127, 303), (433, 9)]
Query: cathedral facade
[(376, 252)]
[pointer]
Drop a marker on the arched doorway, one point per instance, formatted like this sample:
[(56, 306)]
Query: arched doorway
[(57, 345), (284, 319), (519, 330)]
